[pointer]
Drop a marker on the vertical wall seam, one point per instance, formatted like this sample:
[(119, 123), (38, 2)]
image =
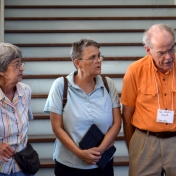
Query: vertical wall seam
[(1, 20)]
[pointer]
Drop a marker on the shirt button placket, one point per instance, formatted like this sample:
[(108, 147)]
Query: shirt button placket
[(88, 108), (18, 135)]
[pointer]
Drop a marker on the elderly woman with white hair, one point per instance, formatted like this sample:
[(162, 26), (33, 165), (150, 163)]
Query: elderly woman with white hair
[(14, 109)]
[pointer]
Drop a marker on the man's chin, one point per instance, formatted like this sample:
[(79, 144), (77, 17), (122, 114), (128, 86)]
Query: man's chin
[(167, 66)]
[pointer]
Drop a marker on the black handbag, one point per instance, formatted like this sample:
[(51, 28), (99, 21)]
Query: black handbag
[(28, 159)]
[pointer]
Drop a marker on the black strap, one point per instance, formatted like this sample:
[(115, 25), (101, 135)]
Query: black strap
[(64, 99)]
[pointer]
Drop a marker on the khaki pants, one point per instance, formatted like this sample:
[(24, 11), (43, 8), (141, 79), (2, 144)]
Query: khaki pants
[(149, 155)]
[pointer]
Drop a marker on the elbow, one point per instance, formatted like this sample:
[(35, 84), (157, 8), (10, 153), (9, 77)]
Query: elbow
[(57, 130)]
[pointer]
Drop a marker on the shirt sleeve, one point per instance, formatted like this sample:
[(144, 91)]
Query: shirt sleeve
[(54, 100), (129, 89), (113, 93)]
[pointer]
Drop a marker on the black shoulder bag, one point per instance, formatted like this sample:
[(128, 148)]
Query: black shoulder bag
[(28, 159)]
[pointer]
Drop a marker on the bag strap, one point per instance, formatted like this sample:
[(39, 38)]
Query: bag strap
[(64, 99), (105, 83)]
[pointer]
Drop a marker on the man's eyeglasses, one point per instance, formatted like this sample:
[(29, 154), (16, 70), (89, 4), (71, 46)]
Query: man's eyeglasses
[(163, 53), (94, 58), (19, 64)]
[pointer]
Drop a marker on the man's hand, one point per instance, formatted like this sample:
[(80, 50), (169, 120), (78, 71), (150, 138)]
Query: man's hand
[(127, 126)]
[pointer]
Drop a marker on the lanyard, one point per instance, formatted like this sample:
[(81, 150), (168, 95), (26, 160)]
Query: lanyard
[(157, 90)]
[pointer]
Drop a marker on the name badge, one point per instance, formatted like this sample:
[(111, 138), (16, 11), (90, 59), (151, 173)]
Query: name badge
[(165, 116)]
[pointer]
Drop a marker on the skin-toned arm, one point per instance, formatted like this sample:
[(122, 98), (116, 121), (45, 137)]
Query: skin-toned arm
[(127, 126), (112, 133), (6, 151), (89, 156)]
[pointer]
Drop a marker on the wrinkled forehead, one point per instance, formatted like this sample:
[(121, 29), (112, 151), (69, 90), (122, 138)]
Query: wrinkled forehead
[(162, 39), (91, 50), (16, 60), (158, 32)]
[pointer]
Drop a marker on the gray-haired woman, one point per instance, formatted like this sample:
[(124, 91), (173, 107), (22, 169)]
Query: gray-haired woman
[(88, 102), (14, 109)]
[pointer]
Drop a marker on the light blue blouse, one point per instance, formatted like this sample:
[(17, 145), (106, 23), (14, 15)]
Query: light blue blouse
[(80, 112)]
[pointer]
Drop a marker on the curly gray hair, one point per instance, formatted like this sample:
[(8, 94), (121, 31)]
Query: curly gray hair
[(79, 46), (8, 53)]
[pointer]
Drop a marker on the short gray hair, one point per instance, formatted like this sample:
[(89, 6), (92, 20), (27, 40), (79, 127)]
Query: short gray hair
[(79, 46), (8, 53), (154, 30)]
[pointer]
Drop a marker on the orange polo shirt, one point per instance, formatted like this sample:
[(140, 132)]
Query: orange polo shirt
[(139, 91)]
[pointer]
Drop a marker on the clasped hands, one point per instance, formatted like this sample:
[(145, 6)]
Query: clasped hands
[(91, 156)]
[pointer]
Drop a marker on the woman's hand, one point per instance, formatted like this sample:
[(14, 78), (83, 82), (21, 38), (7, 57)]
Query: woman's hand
[(6, 151), (90, 156)]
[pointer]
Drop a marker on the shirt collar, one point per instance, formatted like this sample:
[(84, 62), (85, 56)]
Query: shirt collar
[(19, 91), (70, 77), (2, 96)]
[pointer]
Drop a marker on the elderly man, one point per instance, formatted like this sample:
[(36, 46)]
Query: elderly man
[(149, 105)]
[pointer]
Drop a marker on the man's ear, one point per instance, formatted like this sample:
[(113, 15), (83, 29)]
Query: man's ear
[(147, 49)]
